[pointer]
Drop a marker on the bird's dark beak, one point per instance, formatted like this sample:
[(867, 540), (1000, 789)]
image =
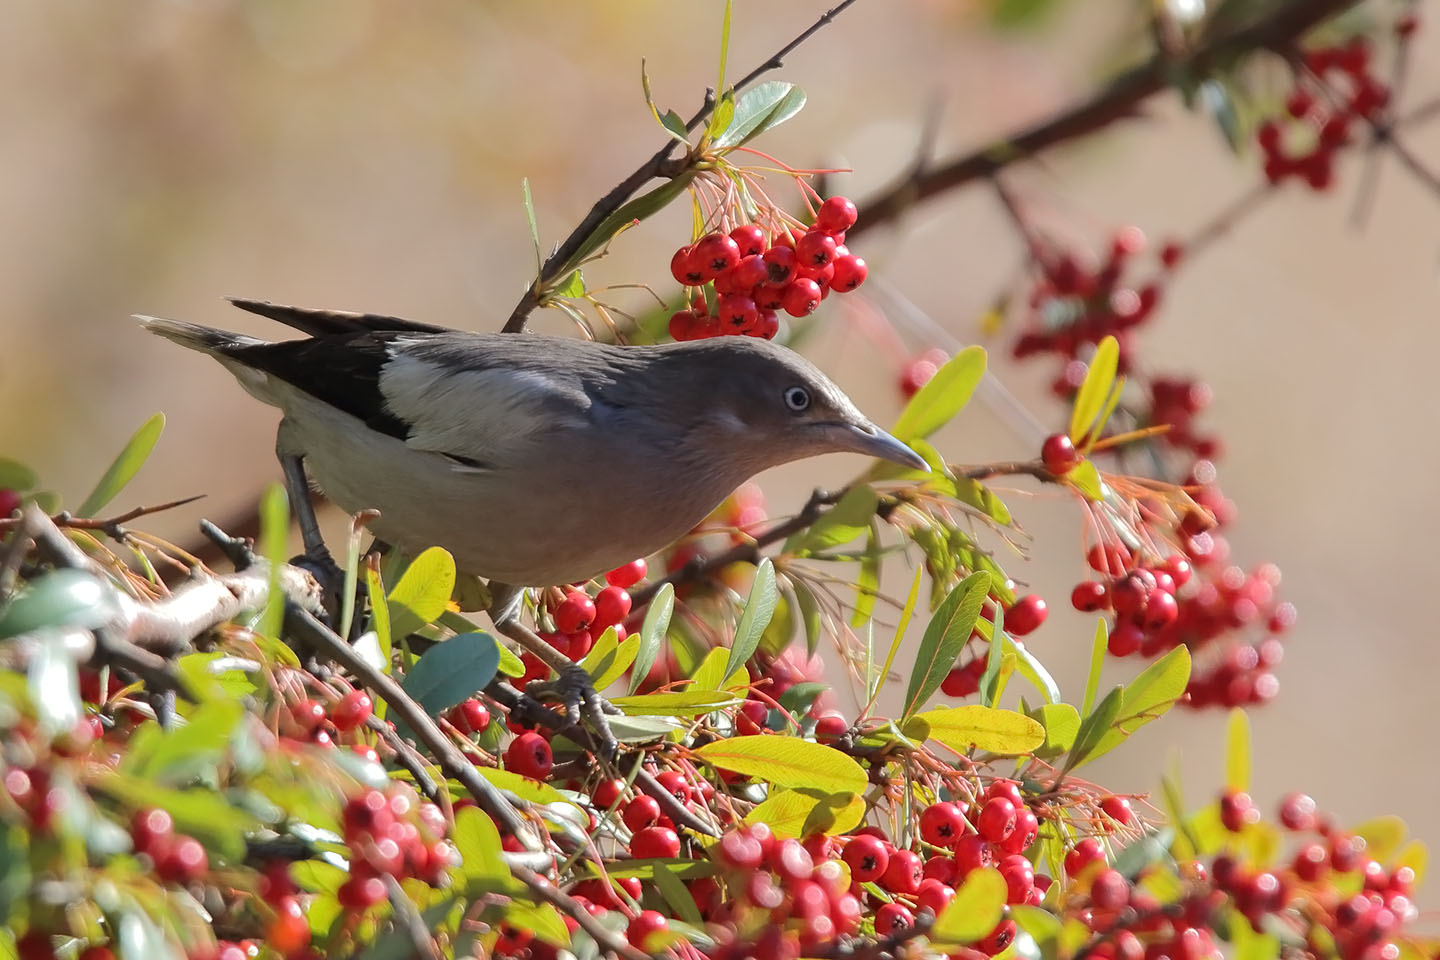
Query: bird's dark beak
[(866, 438)]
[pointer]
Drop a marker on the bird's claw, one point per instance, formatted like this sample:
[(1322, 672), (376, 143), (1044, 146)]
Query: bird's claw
[(584, 707), (327, 573)]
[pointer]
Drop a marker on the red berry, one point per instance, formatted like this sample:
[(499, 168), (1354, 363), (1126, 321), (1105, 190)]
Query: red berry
[(9, 502), (959, 682), (904, 873), (1089, 596), (644, 931), (1127, 242), (685, 267), (737, 312), (1297, 811), (361, 892), (942, 824), (1082, 855), (815, 249), (353, 709), (830, 728), (1059, 455), (972, 852), (470, 716), (780, 262), (529, 755), (289, 931), (655, 842), (1110, 890), (1161, 610), (767, 325), (1125, 639), (996, 820), (749, 273), (683, 326), (934, 895), (308, 714), (749, 238), (850, 272), (917, 373), (836, 215), (612, 606), (1171, 254), (1026, 615), (1007, 788), (1027, 827), (641, 812), (628, 575), (96, 953), (867, 857), (801, 297), (891, 918), (1019, 876), (150, 830), (769, 297), (1118, 809), (575, 612), (1129, 594), (182, 861), (998, 939), (35, 945), (1237, 811), (739, 849), (716, 252)]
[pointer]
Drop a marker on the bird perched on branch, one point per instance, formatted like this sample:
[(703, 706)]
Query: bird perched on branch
[(533, 460)]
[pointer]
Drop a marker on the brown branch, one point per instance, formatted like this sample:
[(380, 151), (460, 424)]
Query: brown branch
[(408, 919), (1118, 100), (601, 934), (66, 521), (659, 164)]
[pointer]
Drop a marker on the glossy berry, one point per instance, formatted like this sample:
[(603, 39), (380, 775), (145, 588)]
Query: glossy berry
[(575, 612), (780, 263), (612, 606), (998, 939), (1089, 596), (942, 824), (150, 830), (904, 873), (9, 502), (850, 272), (971, 852), (1237, 811), (353, 709), (1059, 455), (960, 682), (655, 842), (892, 918), (1297, 812), (1082, 855), (737, 312), (996, 820), (836, 215), (182, 861), (867, 857), (641, 812), (644, 931), (1025, 615), (749, 238), (1118, 809), (1110, 890), (1027, 827), (685, 267), (934, 896), (801, 297), (1019, 876), (529, 755), (361, 892), (716, 252), (740, 850), (470, 716)]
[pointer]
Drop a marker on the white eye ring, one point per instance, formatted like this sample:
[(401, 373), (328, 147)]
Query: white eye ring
[(797, 399)]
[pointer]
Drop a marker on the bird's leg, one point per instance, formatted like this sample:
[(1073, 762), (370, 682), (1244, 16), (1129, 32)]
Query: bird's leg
[(316, 559), (572, 685)]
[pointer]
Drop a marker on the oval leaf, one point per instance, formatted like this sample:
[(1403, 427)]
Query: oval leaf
[(688, 703), (804, 813), (980, 727), (125, 466), (652, 634), (1096, 389), (422, 593), (943, 396), (839, 525), (762, 107), (758, 611), (1148, 697), (1237, 752), (945, 636), (787, 762), (452, 671), (16, 476), (975, 910)]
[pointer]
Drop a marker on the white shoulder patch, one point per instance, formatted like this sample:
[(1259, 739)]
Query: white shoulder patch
[(480, 415)]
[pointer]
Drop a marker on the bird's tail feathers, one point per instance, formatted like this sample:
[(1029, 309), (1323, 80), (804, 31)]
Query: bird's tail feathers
[(195, 337)]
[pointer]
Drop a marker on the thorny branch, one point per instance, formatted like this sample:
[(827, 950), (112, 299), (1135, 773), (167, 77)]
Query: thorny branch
[(660, 164)]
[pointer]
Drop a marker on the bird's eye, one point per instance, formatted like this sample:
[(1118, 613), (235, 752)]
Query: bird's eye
[(797, 399)]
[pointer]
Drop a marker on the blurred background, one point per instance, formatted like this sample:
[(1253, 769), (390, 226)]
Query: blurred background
[(353, 154)]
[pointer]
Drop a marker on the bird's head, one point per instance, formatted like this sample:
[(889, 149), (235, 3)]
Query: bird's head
[(774, 405)]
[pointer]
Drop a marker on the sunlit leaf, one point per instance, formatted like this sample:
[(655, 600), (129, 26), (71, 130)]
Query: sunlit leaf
[(123, 469), (541, 918), (422, 593), (1148, 697), (1097, 663), (534, 791), (1096, 389), (802, 813), (944, 396), (708, 674), (841, 524), (1383, 836), (976, 909), (787, 762), (380, 613), (867, 581), (982, 498), (1061, 723), (16, 476), (809, 612), (759, 608), (1085, 477), (1095, 726), (274, 540), (763, 107), (530, 215), (684, 703), (900, 628), (945, 636), (478, 841), (978, 727)]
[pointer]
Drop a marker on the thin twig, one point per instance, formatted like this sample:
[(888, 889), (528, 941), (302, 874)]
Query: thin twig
[(66, 521), (659, 164), (408, 918)]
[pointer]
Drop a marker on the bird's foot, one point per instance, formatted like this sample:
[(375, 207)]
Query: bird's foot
[(320, 565), (584, 707)]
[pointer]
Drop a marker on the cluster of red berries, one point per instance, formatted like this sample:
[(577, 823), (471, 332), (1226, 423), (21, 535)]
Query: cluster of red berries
[(752, 276), (1349, 905), (322, 725), (580, 619), (9, 502), (1022, 618), (1336, 89), (392, 833), (1143, 599)]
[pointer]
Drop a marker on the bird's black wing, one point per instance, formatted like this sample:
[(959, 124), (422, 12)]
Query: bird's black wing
[(319, 323)]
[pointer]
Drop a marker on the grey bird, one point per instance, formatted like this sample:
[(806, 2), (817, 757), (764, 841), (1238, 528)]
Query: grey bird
[(533, 460)]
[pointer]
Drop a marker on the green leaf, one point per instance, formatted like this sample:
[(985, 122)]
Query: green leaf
[(974, 912), (677, 895), (901, 627), (530, 213), (944, 396), (610, 657), (452, 671), (1042, 925), (203, 814), (125, 466), (642, 207), (1033, 670), (803, 813), (642, 729), (533, 791), (1061, 723), (1095, 390), (274, 543), (982, 498), (478, 842), (978, 727), (380, 615), (1237, 751), (945, 636), (1020, 14), (839, 525), (686, 703), (707, 675), (16, 476), (1086, 478), (1097, 662), (759, 608), (422, 593), (652, 634), (867, 581), (59, 598), (990, 682), (1148, 697), (801, 697), (809, 615), (763, 107), (724, 45), (176, 756), (573, 287), (675, 126), (723, 115), (1095, 725), (787, 762)]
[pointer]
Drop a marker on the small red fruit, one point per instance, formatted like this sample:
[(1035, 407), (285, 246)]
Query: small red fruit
[(628, 575), (850, 272), (836, 215), (1118, 809), (867, 857), (997, 819), (1026, 615), (1058, 453), (529, 755), (905, 872), (353, 709), (801, 297), (644, 931), (1110, 890), (655, 843)]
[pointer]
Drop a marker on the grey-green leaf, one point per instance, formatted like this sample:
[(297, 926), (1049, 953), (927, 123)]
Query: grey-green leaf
[(125, 466), (452, 671), (946, 635), (652, 634), (762, 107), (753, 621)]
